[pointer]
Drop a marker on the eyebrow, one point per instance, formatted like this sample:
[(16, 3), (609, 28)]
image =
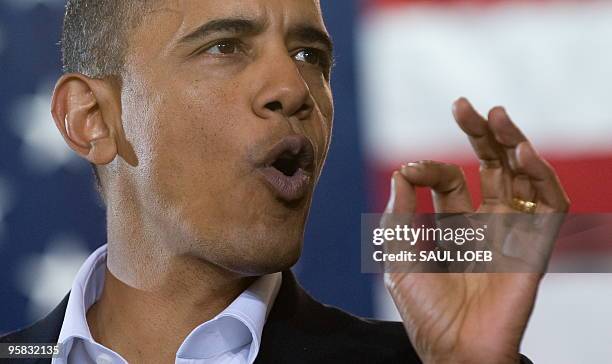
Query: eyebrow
[(237, 25), (309, 34), (245, 26)]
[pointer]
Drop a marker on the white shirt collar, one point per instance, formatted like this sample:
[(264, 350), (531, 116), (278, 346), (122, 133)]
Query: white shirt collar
[(233, 336)]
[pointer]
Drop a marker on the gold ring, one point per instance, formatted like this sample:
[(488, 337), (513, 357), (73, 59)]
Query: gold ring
[(524, 206)]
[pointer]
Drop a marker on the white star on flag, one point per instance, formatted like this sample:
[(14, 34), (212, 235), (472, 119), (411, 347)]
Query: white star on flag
[(44, 149), (45, 279)]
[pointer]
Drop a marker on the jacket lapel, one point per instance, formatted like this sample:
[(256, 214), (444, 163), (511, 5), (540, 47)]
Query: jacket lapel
[(294, 323), (46, 331)]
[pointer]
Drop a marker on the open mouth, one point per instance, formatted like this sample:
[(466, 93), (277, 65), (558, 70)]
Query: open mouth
[(289, 163), (288, 168)]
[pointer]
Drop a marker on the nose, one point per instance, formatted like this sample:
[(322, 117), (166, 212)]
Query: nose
[(282, 90)]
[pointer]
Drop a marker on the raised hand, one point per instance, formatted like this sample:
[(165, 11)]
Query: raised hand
[(478, 317)]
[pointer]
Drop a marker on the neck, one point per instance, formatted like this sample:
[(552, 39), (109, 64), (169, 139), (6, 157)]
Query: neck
[(149, 326), (152, 299)]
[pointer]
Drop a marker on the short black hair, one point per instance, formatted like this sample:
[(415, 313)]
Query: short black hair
[(94, 39)]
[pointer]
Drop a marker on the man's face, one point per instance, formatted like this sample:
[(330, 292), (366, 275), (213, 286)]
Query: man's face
[(228, 107)]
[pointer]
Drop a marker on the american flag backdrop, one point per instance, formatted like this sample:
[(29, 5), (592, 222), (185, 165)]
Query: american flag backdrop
[(401, 63), (49, 216), (549, 62)]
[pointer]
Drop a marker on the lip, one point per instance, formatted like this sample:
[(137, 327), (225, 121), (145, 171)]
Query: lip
[(295, 187), (287, 188)]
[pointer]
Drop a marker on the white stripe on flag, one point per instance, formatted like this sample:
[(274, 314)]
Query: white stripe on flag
[(549, 63)]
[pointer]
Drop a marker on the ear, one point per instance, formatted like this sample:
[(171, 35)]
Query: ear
[(85, 112)]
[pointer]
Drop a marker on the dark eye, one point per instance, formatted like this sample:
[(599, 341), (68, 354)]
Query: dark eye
[(311, 56), (223, 47)]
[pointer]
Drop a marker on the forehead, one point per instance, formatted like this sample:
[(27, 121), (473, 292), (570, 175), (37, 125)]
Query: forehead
[(181, 16)]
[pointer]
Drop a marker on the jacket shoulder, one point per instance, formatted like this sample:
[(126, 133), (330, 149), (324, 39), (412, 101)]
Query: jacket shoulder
[(300, 329), (374, 340)]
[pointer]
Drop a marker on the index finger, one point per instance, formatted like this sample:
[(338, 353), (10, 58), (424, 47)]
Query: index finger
[(480, 135), (495, 184)]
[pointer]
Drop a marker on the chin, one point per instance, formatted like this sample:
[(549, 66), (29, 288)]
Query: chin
[(263, 257), (249, 250), (262, 237), (275, 262)]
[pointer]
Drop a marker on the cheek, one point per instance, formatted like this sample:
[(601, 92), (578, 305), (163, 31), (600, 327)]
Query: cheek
[(201, 132), (322, 125), (184, 136), (327, 110)]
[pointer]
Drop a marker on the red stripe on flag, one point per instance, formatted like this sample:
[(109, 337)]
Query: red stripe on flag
[(373, 4), (586, 180)]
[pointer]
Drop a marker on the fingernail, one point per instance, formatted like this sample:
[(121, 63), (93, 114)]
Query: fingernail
[(391, 202), (413, 166)]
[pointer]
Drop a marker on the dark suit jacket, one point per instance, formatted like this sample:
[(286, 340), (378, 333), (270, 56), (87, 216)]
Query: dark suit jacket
[(298, 330)]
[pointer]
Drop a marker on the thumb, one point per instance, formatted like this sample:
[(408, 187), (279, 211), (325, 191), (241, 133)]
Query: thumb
[(402, 199)]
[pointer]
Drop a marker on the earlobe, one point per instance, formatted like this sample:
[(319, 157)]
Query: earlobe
[(77, 108)]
